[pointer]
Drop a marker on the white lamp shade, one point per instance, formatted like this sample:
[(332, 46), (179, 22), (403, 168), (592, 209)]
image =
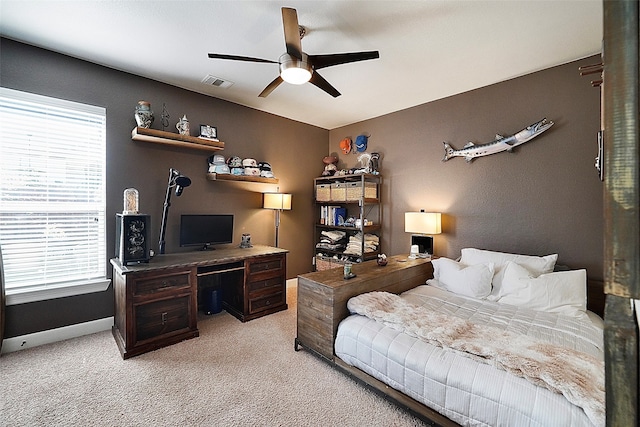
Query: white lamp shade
[(280, 201), (423, 222)]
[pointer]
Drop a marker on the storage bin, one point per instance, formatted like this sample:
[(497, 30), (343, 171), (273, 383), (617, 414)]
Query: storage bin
[(327, 263), (354, 191), (338, 192), (323, 192)]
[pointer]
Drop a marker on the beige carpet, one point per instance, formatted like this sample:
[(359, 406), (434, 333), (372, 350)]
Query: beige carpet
[(234, 374)]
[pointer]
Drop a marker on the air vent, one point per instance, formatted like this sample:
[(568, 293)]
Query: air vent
[(216, 81)]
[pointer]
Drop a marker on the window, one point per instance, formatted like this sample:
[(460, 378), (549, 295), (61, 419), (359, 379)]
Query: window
[(52, 196)]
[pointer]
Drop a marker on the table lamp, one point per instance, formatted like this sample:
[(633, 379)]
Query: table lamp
[(423, 225), (278, 202)]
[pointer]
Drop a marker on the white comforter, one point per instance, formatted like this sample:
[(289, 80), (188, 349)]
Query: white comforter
[(463, 389)]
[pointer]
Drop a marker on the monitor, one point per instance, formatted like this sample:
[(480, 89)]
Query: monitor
[(206, 230)]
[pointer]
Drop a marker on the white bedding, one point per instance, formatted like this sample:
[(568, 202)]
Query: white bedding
[(465, 390)]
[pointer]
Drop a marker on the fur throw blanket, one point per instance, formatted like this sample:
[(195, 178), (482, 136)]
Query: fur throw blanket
[(576, 375)]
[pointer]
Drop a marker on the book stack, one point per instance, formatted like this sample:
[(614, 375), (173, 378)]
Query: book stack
[(333, 215)]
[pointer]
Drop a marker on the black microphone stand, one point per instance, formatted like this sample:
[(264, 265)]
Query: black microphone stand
[(174, 176)]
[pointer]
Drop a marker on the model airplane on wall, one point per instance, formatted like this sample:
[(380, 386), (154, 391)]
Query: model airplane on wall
[(501, 143)]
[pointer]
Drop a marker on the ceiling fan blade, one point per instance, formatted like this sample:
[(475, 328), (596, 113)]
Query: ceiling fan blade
[(319, 81), (270, 87), (291, 32), (322, 61), (240, 58)]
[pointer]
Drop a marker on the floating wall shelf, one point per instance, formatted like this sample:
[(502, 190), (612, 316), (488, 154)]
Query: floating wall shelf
[(186, 141), (240, 178), (175, 139)]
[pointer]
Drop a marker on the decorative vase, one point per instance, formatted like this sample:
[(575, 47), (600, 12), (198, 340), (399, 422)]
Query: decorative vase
[(183, 125), (143, 114), (130, 201)]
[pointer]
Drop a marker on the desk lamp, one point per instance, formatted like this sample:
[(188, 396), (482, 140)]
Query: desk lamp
[(179, 181), (278, 202), (422, 224)]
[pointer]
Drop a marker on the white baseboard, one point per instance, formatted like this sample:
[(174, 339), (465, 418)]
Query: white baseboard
[(59, 334), (67, 332)]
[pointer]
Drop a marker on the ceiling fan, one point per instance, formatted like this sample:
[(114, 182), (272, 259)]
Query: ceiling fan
[(297, 67)]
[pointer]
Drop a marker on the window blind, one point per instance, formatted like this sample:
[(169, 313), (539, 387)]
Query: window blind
[(52, 190)]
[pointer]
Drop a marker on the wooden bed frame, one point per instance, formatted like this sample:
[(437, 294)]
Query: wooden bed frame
[(596, 296), (418, 409), (595, 303)]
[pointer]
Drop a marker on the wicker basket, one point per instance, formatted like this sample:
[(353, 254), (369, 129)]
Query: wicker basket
[(339, 192), (323, 192), (326, 263), (354, 190)]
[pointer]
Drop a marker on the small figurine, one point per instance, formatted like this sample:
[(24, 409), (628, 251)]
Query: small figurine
[(374, 163), (330, 167), (382, 260), (165, 117), (365, 163), (246, 241), (183, 125)]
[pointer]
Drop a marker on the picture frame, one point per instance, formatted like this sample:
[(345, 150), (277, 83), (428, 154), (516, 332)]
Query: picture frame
[(208, 132)]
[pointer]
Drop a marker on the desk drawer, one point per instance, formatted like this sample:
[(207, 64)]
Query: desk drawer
[(266, 264), (162, 317), (274, 284), (151, 285), (266, 302)]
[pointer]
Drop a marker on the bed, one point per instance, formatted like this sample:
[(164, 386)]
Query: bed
[(492, 339)]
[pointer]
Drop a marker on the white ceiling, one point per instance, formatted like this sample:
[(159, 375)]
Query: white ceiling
[(428, 49)]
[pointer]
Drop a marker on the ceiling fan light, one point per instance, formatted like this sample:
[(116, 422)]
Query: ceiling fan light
[(295, 71), (296, 76)]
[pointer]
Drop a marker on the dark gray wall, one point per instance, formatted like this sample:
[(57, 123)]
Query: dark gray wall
[(543, 198), (145, 166)]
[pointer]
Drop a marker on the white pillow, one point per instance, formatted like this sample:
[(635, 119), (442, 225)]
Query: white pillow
[(564, 292), (535, 264), (472, 281)]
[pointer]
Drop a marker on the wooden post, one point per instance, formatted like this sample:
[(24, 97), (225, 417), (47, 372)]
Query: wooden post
[(621, 362), (622, 210)]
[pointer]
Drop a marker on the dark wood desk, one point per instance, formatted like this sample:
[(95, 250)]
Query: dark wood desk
[(323, 296), (156, 303)]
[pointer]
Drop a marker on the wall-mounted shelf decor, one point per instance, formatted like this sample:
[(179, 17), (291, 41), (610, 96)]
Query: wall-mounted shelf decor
[(175, 139), (240, 178)]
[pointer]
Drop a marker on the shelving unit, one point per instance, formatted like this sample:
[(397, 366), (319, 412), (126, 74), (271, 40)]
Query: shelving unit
[(240, 178), (175, 139), (360, 196)]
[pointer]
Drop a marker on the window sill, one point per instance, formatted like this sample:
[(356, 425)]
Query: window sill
[(22, 296)]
